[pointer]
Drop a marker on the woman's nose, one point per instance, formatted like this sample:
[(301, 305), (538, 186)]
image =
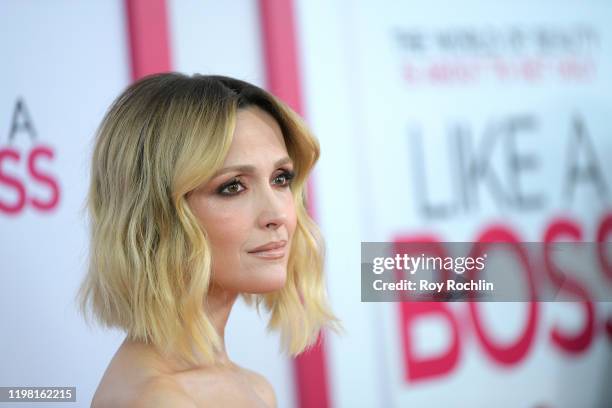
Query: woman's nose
[(273, 209)]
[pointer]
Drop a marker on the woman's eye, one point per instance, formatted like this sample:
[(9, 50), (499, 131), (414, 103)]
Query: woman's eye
[(284, 179), (233, 188)]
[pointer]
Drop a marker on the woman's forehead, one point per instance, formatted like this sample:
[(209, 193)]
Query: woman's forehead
[(256, 133)]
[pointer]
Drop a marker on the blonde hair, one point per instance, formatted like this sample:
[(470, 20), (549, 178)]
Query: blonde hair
[(149, 261)]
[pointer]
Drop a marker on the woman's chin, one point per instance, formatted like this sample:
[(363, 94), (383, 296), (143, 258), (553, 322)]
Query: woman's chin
[(270, 283)]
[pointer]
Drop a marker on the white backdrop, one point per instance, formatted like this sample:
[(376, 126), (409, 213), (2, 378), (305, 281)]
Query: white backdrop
[(390, 89), (389, 113)]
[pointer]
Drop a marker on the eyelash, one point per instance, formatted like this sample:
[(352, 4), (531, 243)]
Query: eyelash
[(288, 175)]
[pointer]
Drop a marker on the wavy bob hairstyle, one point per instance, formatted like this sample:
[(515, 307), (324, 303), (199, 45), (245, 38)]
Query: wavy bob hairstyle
[(149, 265)]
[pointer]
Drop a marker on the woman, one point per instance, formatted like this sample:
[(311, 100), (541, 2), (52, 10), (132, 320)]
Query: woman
[(197, 196)]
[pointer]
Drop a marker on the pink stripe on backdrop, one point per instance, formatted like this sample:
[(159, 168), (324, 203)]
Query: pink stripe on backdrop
[(147, 23), (283, 80), (280, 51)]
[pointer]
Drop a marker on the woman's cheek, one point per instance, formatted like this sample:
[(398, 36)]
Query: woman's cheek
[(219, 219), (230, 226)]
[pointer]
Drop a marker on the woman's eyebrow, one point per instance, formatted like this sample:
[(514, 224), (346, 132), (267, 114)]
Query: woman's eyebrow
[(247, 168)]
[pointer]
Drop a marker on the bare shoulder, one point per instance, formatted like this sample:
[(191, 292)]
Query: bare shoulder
[(262, 386), (132, 380), (157, 392), (162, 392)]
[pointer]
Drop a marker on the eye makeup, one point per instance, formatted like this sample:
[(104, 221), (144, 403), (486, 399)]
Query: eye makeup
[(229, 189)]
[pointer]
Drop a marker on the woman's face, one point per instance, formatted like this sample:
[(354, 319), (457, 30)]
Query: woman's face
[(248, 205)]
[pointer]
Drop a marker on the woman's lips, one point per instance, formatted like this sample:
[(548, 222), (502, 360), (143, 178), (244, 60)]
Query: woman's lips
[(270, 253), (272, 250)]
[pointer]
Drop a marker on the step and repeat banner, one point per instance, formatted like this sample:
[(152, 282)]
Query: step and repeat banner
[(439, 122), (465, 122), (63, 64)]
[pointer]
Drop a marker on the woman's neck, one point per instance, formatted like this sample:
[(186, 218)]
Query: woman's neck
[(218, 305)]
